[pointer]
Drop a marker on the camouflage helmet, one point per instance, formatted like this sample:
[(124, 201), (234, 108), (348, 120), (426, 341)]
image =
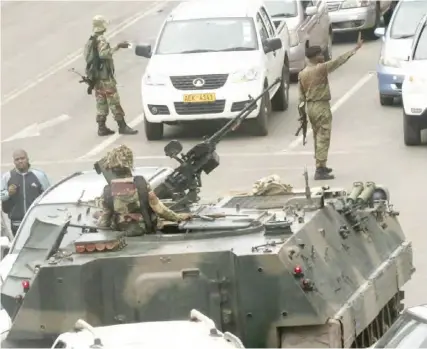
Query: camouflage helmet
[(99, 24), (122, 156)]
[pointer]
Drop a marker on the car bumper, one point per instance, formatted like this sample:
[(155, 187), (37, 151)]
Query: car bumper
[(354, 19), (415, 104), (168, 101), (390, 81), (297, 58)]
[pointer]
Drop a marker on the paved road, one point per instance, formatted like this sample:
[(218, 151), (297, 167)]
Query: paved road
[(36, 87)]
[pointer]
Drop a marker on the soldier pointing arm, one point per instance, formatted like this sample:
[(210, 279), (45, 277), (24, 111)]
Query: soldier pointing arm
[(100, 70), (314, 91)]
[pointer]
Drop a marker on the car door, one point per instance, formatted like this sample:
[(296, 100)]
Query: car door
[(269, 57), (278, 63)]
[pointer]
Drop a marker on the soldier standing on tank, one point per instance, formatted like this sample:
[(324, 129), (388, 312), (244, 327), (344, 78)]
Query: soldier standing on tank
[(100, 68), (121, 201), (315, 93)]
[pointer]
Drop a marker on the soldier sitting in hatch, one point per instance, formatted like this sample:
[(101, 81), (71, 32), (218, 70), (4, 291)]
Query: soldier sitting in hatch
[(128, 203)]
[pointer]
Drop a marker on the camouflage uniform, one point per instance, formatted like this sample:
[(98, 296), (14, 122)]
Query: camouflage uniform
[(314, 91), (106, 94), (126, 215)]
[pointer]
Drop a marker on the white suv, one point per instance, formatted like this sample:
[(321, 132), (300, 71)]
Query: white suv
[(414, 88)]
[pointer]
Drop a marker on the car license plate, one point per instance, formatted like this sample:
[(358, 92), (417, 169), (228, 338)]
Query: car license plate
[(200, 98)]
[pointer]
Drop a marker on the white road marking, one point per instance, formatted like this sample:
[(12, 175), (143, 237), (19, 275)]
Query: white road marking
[(35, 129), (110, 140), (75, 55), (163, 157), (335, 107)]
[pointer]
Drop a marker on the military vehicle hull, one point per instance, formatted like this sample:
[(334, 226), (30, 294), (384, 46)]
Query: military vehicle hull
[(323, 269)]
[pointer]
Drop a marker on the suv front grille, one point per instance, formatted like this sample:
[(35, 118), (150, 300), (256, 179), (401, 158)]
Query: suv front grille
[(200, 108), (211, 82)]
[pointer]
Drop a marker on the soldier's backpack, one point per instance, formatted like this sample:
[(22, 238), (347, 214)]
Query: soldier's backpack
[(93, 64)]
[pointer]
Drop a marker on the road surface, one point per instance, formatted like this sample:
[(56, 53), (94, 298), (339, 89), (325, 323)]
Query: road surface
[(45, 111)]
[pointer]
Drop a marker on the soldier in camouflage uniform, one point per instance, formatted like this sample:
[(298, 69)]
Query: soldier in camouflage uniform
[(107, 96), (120, 200), (314, 92)]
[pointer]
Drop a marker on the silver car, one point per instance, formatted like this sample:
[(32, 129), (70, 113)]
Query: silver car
[(308, 24), (356, 15)]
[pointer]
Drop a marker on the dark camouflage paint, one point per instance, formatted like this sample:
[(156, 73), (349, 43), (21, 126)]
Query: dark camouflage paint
[(221, 269)]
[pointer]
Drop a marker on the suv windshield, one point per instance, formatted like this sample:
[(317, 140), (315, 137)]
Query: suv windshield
[(407, 332), (208, 35), (285, 8), (409, 14), (421, 49)]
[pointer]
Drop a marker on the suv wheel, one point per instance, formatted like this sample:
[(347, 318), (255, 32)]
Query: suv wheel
[(153, 131), (386, 100), (411, 131)]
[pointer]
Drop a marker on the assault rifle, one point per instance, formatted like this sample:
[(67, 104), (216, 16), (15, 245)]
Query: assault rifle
[(184, 183), (303, 122), (84, 79)]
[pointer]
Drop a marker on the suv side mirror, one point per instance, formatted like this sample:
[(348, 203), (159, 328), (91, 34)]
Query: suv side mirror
[(143, 51), (272, 45), (379, 32), (311, 10)]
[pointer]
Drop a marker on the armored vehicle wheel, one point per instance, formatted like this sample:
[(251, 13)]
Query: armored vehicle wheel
[(411, 131), (153, 131), (280, 101), (259, 125)]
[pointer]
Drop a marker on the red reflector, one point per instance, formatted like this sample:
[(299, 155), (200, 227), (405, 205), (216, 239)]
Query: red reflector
[(297, 270), (25, 285)]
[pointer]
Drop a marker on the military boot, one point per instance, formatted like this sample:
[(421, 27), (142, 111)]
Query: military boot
[(125, 129), (103, 130), (328, 169), (322, 174)]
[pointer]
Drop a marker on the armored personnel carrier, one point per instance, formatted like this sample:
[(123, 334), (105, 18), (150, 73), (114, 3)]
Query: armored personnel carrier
[(302, 268)]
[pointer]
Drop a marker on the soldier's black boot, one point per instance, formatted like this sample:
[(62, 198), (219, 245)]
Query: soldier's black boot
[(103, 130), (328, 169), (125, 129), (322, 174)]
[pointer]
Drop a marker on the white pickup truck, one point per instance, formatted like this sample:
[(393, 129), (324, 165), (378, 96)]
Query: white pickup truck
[(208, 58), (197, 332)]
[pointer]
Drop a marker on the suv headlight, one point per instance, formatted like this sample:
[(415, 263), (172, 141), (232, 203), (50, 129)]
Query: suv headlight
[(245, 75), (155, 80), (293, 38), (355, 3), (390, 62)]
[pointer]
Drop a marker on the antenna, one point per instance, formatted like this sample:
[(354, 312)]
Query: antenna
[(307, 185)]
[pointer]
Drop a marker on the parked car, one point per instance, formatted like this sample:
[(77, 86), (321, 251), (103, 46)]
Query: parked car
[(414, 88), (397, 39), (308, 23), (409, 330), (357, 15), (208, 58)]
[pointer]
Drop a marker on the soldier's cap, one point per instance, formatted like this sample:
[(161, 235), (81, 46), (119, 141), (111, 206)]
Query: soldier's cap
[(99, 24), (120, 157), (313, 51)]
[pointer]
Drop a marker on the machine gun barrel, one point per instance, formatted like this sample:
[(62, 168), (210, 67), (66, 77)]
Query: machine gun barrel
[(244, 113), (184, 182)]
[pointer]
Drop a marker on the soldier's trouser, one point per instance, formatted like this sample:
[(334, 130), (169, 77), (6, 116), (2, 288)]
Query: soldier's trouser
[(107, 98), (320, 116)]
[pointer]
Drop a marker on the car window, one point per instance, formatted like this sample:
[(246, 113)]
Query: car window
[(267, 22), (421, 48), (207, 35), (261, 28), (405, 20), (286, 8)]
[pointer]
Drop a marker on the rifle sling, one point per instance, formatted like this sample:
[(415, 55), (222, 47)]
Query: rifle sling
[(146, 210)]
